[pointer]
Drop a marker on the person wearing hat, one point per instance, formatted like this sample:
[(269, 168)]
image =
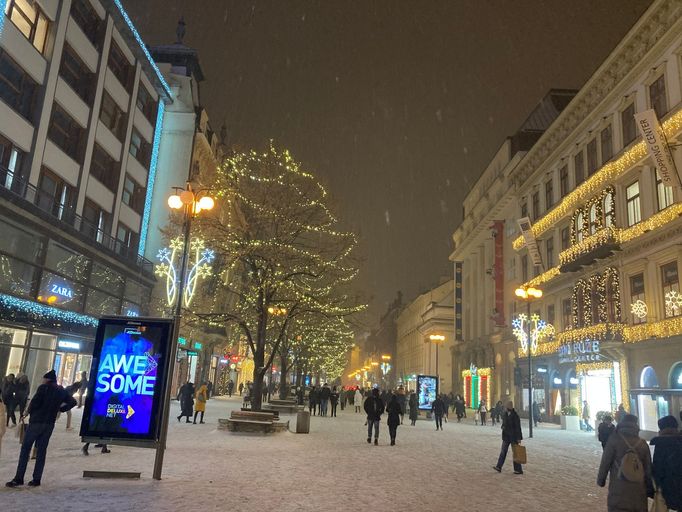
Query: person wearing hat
[(48, 401)]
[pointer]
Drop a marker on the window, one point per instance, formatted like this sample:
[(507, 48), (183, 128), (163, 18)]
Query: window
[(550, 314), (96, 221), (59, 291), (566, 313), (104, 168), (133, 195), (627, 119), (664, 193), (105, 278), (55, 196), (100, 303), (524, 209), (565, 238), (113, 116), (637, 293), (609, 212), (146, 104), (632, 199), (10, 164), (17, 88), (87, 19), (75, 73), (563, 180), (66, 133), (127, 240), (606, 139), (549, 194), (120, 66), (671, 283), (549, 248), (579, 225), (30, 21), (66, 262), (535, 201), (592, 163), (657, 97), (579, 166), (594, 225), (524, 268), (140, 148)]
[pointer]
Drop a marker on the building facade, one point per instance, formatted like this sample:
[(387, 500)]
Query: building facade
[(81, 111)]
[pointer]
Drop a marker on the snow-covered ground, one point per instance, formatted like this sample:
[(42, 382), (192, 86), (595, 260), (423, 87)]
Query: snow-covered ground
[(331, 469)]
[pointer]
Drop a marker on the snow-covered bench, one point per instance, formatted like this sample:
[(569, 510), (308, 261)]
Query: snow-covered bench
[(253, 421)]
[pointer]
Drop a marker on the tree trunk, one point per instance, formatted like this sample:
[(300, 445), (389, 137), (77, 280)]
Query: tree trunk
[(283, 380)]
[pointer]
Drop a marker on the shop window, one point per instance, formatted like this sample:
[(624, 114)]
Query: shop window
[(133, 195), (535, 202), (592, 163), (136, 292), (66, 133), (77, 74), (606, 142), (30, 20), (113, 117), (58, 291), (140, 148), (131, 309), (67, 262), (637, 293), (566, 314), (579, 168), (629, 128), (565, 238), (609, 210), (146, 104), (106, 279), (549, 249), (88, 20), (17, 277), (563, 180), (17, 88), (657, 97), (671, 290), (648, 378), (16, 241), (664, 193), (40, 357), (12, 346), (120, 66), (55, 196), (633, 204), (549, 194), (99, 303), (675, 376)]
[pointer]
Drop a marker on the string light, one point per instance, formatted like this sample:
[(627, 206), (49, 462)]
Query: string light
[(589, 367), (46, 312), (539, 330), (639, 309), (168, 270)]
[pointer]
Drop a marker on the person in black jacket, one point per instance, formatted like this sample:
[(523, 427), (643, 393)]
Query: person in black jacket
[(438, 408), (325, 393), (374, 408), (334, 400), (394, 413), (313, 399), (667, 463), (511, 434), (606, 428), (186, 397), (48, 401), (414, 408), (9, 389)]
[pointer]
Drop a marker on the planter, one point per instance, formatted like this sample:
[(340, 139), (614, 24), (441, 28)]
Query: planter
[(570, 423)]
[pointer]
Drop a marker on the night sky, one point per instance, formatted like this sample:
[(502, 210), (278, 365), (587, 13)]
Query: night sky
[(397, 105)]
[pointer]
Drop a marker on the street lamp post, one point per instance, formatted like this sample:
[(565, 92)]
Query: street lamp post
[(191, 204), (437, 339), (528, 295)]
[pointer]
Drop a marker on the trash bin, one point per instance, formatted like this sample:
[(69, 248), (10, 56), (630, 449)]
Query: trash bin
[(303, 422)]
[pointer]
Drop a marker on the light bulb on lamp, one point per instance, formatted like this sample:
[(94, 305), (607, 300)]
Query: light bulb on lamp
[(175, 202)]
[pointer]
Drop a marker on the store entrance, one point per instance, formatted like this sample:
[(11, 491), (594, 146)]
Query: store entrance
[(69, 365), (597, 388)]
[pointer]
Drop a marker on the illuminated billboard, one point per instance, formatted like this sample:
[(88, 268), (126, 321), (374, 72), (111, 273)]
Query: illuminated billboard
[(427, 390), (126, 388)]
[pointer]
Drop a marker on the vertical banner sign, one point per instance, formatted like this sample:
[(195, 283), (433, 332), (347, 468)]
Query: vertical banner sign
[(427, 390), (458, 301), (531, 244), (125, 393), (498, 233), (657, 147)]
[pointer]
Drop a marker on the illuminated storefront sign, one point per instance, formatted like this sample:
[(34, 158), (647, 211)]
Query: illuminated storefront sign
[(68, 345), (125, 394), (580, 352)]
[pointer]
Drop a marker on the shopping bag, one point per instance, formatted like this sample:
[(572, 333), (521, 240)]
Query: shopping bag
[(519, 452), (659, 504), (21, 431)]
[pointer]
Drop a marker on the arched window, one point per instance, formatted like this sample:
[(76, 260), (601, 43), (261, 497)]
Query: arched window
[(612, 290), (609, 213), (676, 376), (579, 227), (648, 378), (597, 313), (593, 219)]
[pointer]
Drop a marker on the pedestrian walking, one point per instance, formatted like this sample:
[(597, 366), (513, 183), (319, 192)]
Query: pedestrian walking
[(414, 408), (620, 413), (83, 388), (200, 405), (497, 412), (3, 419), (186, 398), (627, 462), (47, 402), (483, 412), (342, 398), (438, 409), (374, 408), (460, 409), (312, 400), (230, 388), (394, 414), (536, 413), (357, 400), (334, 400), (446, 404), (9, 398), (21, 391), (241, 388), (402, 402), (511, 435), (209, 390), (86, 447), (606, 428), (325, 393), (667, 462), (586, 416)]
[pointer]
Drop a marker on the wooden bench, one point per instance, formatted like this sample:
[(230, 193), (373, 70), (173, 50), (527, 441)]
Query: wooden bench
[(253, 421)]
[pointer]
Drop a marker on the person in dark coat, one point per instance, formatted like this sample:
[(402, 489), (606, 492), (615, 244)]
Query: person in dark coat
[(625, 495), (241, 388), (402, 402), (334, 400), (414, 408), (394, 413), (511, 434), (313, 400), (446, 403), (620, 413), (48, 401), (22, 390), (325, 394), (83, 388), (186, 397), (536, 413), (606, 428), (230, 387), (9, 386), (667, 463), (374, 408), (460, 408), (438, 409)]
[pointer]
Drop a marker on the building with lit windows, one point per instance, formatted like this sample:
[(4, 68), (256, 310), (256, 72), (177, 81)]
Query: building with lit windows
[(81, 112), (609, 231)]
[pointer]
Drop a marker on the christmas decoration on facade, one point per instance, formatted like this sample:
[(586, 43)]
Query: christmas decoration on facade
[(539, 330), (639, 309), (199, 263), (673, 303)]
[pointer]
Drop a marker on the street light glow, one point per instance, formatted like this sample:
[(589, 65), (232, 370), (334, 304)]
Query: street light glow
[(437, 337), (175, 202)]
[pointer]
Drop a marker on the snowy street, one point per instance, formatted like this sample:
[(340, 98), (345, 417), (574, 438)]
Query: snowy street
[(331, 469)]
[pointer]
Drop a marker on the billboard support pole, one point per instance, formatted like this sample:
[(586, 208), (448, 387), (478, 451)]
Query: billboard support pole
[(177, 317)]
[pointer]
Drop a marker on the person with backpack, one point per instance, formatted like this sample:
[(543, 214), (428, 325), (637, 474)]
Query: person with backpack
[(667, 462), (606, 428), (627, 462), (374, 408)]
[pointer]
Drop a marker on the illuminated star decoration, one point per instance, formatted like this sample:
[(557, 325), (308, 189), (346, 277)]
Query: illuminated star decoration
[(199, 267), (639, 308), (673, 303), (539, 330)]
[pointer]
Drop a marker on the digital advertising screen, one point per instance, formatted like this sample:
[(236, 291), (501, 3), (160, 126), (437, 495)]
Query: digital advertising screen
[(129, 367), (427, 389)]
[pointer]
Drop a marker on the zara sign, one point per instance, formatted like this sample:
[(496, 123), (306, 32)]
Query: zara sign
[(580, 352)]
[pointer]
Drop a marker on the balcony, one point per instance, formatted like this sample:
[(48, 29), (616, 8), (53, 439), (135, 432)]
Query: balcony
[(597, 246), (21, 193)]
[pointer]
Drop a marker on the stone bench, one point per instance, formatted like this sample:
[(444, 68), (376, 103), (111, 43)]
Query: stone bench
[(282, 408), (253, 421)]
